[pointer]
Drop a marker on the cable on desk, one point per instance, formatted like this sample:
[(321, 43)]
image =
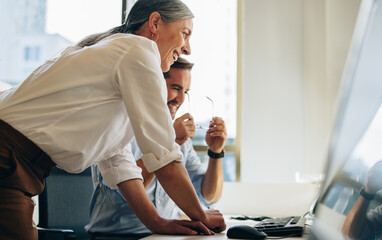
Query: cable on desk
[(256, 218)]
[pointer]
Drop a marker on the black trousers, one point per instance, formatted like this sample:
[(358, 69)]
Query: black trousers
[(23, 168)]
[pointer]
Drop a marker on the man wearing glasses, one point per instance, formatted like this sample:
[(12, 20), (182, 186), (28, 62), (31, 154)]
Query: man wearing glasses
[(110, 213)]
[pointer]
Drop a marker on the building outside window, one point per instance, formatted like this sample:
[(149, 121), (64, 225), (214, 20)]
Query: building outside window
[(32, 53), (33, 31)]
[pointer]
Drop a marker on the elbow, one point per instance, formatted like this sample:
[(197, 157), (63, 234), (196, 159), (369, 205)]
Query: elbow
[(212, 197), (212, 190), (345, 231), (348, 235), (213, 200), (167, 171)]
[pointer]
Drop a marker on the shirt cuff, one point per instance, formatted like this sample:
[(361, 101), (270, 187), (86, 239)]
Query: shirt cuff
[(115, 175), (152, 163), (119, 168)]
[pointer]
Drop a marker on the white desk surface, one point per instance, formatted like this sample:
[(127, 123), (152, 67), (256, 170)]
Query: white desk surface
[(217, 236)]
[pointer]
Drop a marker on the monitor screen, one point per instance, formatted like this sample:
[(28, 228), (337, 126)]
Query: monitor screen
[(356, 141)]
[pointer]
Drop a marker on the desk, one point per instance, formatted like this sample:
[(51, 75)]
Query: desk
[(217, 236)]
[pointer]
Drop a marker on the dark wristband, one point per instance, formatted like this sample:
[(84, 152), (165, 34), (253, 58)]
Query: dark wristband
[(213, 155), (366, 195)]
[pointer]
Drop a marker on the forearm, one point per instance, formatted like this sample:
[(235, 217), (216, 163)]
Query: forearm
[(135, 195), (356, 219), (212, 184), (175, 180), (147, 177)]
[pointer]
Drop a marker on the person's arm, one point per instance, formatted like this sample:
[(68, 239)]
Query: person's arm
[(147, 176), (135, 195), (212, 185), (179, 192), (184, 129), (356, 221), (175, 180)]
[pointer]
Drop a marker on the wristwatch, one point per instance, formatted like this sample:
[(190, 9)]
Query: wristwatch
[(366, 195), (213, 155)]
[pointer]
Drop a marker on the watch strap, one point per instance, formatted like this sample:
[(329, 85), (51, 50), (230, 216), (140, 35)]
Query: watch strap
[(366, 195), (214, 155)]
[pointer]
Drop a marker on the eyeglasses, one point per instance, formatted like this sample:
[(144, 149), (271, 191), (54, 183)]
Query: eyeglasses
[(198, 126)]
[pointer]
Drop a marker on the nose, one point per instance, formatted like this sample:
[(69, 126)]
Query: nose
[(180, 97), (186, 49)]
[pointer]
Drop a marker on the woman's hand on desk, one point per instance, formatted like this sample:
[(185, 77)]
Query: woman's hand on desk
[(214, 221), (185, 227)]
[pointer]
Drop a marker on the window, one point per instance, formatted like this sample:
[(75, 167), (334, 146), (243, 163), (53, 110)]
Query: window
[(213, 51), (32, 53), (33, 31), (27, 53)]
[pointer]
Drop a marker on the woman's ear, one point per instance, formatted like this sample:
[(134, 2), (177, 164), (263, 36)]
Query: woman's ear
[(154, 22)]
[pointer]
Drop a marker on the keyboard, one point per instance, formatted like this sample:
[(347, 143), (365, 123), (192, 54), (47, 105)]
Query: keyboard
[(284, 226)]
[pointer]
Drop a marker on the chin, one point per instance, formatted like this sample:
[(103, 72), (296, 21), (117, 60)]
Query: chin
[(165, 67)]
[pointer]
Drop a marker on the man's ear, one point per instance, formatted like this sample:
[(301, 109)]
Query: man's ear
[(154, 22)]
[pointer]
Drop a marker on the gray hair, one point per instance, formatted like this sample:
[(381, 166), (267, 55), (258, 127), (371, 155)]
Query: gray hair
[(170, 11)]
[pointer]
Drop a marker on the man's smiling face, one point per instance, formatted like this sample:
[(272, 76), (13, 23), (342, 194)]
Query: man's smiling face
[(178, 84)]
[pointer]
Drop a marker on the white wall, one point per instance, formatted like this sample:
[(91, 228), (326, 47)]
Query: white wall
[(292, 54), (267, 199)]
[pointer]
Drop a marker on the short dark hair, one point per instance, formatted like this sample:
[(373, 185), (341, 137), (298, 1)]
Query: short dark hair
[(180, 63)]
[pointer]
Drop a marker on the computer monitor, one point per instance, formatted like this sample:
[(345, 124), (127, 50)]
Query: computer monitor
[(356, 141)]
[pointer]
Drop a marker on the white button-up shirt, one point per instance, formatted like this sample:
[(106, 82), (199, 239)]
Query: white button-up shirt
[(85, 106)]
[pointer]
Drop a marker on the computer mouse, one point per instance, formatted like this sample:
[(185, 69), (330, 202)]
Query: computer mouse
[(245, 232)]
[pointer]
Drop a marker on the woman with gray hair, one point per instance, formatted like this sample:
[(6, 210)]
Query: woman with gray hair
[(85, 106)]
